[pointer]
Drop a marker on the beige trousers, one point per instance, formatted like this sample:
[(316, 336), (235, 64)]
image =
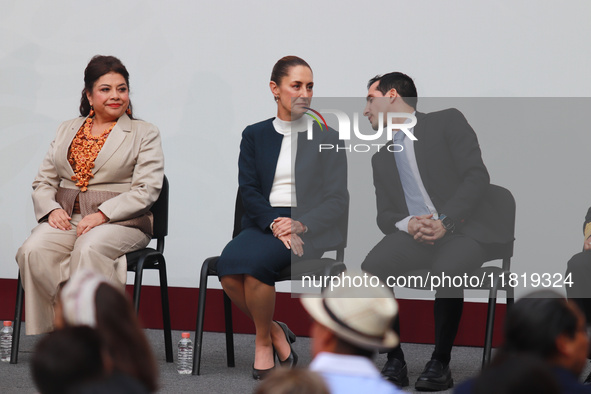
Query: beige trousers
[(49, 256)]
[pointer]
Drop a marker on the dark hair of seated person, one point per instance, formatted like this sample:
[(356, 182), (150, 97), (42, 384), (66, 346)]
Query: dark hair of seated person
[(516, 374), (532, 324), (97, 67), (67, 358), (124, 338)]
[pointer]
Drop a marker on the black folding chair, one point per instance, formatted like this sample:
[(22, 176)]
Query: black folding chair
[(504, 203), (137, 261), (314, 267)]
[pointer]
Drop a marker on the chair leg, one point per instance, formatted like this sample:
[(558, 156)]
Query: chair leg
[(490, 322), (18, 314), (137, 284), (200, 318), (229, 330), (165, 309), (510, 297)]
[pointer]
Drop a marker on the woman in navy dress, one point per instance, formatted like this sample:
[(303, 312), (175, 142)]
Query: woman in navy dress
[(292, 203)]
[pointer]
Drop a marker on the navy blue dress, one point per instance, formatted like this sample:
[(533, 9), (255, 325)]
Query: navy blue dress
[(321, 192)]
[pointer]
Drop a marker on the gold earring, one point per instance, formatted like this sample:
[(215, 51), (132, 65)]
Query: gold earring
[(91, 113)]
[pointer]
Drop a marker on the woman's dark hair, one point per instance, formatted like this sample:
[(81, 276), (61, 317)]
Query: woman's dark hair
[(66, 358), (96, 68), (533, 324), (281, 68), (123, 336), (403, 84)]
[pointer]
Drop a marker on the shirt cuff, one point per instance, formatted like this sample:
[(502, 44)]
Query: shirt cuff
[(402, 225)]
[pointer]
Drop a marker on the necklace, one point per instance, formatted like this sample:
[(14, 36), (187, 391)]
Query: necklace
[(83, 152)]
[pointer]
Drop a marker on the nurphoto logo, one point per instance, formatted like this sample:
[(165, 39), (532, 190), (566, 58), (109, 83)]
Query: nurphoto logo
[(395, 121)]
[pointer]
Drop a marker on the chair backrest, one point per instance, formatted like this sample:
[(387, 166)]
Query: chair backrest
[(504, 207), (160, 212), (343, 226), (344, 230)]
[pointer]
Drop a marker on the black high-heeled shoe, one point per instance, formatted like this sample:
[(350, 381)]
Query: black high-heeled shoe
[(291, 360), (260, 374)]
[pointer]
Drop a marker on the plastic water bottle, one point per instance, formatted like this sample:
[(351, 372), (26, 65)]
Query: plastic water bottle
[(6, 341), (185, 357)]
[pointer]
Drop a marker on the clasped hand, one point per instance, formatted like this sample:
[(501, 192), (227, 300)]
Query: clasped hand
[(59, 218), (287, 231), (426, 230)]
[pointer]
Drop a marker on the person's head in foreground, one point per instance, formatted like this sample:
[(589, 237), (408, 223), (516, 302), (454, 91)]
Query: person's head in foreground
[(89, 299), (68, 358), (351, 323), (516, 374), (292, 381), (546, 325), (353, 320)]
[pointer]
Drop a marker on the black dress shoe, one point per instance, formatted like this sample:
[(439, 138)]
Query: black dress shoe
[(291, 360), (435, 377), (396, 372)]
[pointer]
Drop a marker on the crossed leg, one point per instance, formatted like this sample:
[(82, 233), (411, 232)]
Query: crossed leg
[(257, 300)]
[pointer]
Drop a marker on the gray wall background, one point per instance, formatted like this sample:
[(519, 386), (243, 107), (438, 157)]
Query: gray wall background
[(200, 71)]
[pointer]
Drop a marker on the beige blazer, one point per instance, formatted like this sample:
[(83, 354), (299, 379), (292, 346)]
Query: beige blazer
[(128, 172)]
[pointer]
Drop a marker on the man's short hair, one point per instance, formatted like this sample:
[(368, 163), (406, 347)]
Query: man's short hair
[(534, 323), (403, 84)]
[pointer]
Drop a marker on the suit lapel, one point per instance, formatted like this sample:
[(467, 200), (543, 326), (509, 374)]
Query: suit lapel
[(306, 159), (62, 152), (113, 142), (420, 131), (270, 155), (393, 177)]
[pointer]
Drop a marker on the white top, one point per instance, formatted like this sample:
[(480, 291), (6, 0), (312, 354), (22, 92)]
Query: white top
[(409, 150), (283, 192), (351, 374)]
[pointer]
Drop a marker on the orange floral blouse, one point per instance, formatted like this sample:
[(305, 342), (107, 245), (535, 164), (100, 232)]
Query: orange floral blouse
[(84, 150)]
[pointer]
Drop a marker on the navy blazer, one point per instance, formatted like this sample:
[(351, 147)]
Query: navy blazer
[(451, 168), (320, 178)]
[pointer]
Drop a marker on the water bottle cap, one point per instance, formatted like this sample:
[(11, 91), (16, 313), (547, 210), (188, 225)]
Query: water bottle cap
[(7, 323), (186, 335)]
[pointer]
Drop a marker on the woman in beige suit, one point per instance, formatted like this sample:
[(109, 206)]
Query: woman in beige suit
[(93, 192)]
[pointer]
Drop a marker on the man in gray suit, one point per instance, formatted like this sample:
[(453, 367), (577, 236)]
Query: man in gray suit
[(427, 196)]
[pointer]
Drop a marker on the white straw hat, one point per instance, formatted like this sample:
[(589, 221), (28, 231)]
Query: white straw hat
[(362, 316), (78, 297)]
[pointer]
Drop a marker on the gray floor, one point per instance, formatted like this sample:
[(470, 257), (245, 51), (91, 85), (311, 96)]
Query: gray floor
[(217, 378)]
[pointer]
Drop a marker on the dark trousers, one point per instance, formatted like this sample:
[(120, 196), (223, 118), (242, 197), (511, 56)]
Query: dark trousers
[(455, 254), (579, 267)]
